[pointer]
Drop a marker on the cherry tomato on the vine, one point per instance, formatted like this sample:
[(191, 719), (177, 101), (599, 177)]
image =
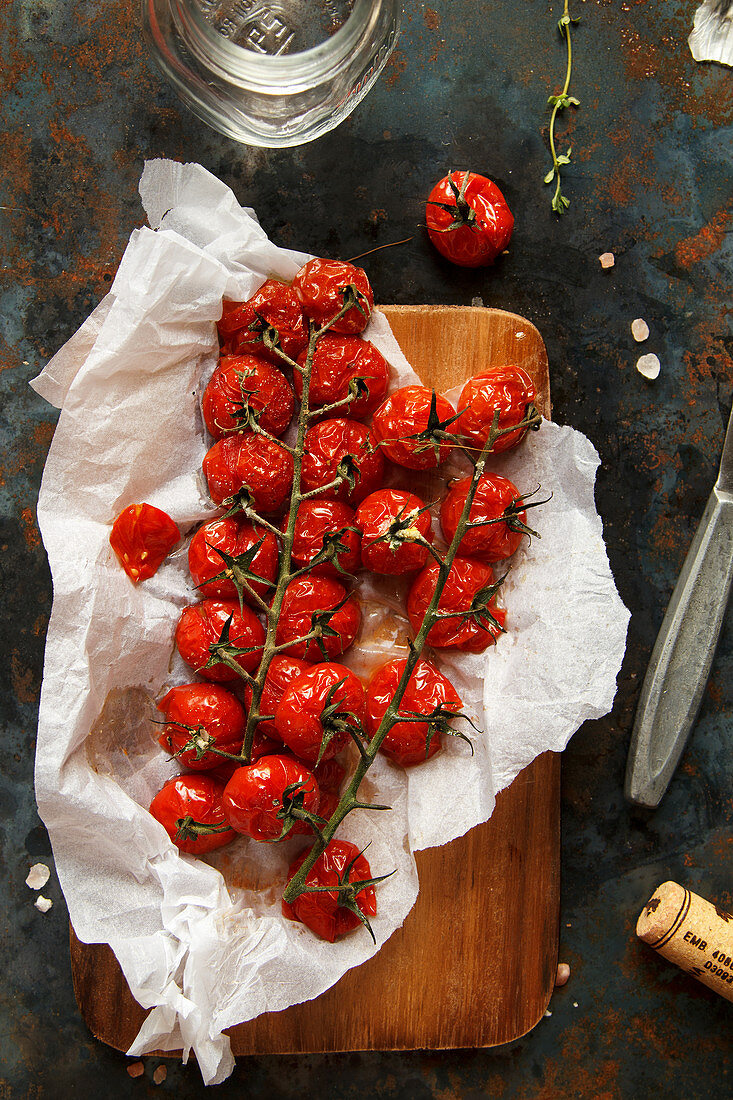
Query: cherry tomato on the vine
[(252, 462), (468, 219), (142, 536), (323, 605), (390, 521), (200, 626), (339, 361), (203, 713), (316, 711), (315, 527), (257, 797), (187, 802), (244, 388), (412, 742), (280, 672), (408, 426), (497, 505), (321, 912), (325, 286), (234, 536), (275, 305), (508, 390), (469, 627), (341, 448)]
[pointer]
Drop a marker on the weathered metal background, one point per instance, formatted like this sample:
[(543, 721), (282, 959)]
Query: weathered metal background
[(652, 181)]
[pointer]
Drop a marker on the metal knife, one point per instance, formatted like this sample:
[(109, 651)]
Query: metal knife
[(683, 652)]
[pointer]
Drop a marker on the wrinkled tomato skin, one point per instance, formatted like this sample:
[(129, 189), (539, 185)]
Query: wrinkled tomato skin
[(402, 414), (261, 746), (508, 389), (321, 912), (201, 708), (298, 718), (253, 462), (199, 797), (254, 794), (407, 742), (278, 305), (315, 519), (319, 285), (465, 579), (373, 518), (326, 444), (234, 535), (494, 495), (306, 595), (336, 361), (475, 245), (245, 380), (142, 536), (329, 776), (281, 672), (201, 624)]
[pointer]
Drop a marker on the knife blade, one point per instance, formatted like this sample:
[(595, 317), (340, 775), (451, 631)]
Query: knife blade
[(679, 667)]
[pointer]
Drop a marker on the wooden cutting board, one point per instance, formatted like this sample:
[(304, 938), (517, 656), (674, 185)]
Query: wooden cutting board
[(474, 964)]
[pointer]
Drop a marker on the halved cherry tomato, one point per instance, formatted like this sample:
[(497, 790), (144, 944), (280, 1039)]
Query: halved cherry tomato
[(408, 426), (468, 219), (413, 742), (142, 537), (233, 536), (315, 527), (508, 390), (343, 448), (206, 713), (321, 912), (323, 288), (339, 361), (324, 605), (189, 809), (249, 461), (257, 797), (274, 305), (390, 520), (497, 505), (470, 627), (281, 671), (317, 710), (200, 626), (244, 388)]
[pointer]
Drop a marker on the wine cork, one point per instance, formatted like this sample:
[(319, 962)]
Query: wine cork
[(692, 933)]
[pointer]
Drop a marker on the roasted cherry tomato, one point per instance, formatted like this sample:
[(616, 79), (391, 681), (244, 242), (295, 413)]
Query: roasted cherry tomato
[(390, 521), (323, 605), (318, 709), (252, 462), (408, 426), (281, 671), (343, 448), (275, 305), (470, 627), (261, 746), (339, 361), (497, 505), (142, 537), (316, 527), (329, 776), (243, 389), (427, 691), (207, 714), (236, 537), (468, 219), (324, 287), (189, 809), (201, 625), (508, 389), (257, 797), (341, 862)]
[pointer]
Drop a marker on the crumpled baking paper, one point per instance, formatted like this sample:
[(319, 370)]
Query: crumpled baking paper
[(202, 942)]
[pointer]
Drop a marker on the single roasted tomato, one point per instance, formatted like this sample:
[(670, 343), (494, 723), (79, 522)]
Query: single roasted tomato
[(317, 711), (321, 607), (253, 463), (410, 425), (469, 597), (393, 525), (340, 864), (325, 527), (343, 367), (324, 287), (496, 510), (508, 390), (212, 549), (428, 693), (142, 537), (189, 809), (260, 799), (468, 219), (244, 391), (205, 716), (342, 449), (329, 776), (247, 325), (281, 671), (202, 625)]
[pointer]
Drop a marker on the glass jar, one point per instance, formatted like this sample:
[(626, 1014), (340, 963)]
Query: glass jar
[(273, 73)]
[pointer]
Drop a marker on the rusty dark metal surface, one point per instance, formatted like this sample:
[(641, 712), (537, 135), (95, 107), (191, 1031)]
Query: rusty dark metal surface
[(652, 181)]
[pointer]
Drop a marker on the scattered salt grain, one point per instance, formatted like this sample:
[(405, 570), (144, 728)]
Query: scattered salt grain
[(563, 974), (38, 876), (606, 260), (575, 1004), (548, 1013), (42, 904), (639, 330), (137, 1069), (648, 366), (159, 1075)]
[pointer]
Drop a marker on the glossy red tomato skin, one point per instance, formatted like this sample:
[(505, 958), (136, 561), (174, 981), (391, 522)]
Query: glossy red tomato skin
[(475, 245), (234, 535), (254, 794), (201, 708), (142, 536), (298, 718), (321, 912), (319, 285), (508, 389), (329, 775), (326, 444), (281, 672), (336, 361), (306, 595), (465, 579), (407, 742), (249, 461), (197, 796), (315, 519), (241, 379), (278, 305), (494, 495), (201, 624), (373, 518), (404, 413)]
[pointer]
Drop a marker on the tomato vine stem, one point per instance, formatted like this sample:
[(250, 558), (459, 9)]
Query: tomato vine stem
[(559, 102)]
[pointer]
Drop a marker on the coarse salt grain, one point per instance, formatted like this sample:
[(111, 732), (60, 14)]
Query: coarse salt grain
[(639, 330), (563, 974), (648, 365), (606, 260), (38, 876), (42, 904), (137, 1069), (159, 1075)]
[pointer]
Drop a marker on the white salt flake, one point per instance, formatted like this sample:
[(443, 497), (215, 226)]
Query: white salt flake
[(38, 876), (548, 1013), (42, 904), (607, 259), (648, 365), (639, 330)]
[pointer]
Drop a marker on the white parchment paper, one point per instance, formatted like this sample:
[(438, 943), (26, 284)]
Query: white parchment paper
[(203, 943)]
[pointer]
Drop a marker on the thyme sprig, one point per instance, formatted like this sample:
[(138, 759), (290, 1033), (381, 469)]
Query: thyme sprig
[(559, 102)]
